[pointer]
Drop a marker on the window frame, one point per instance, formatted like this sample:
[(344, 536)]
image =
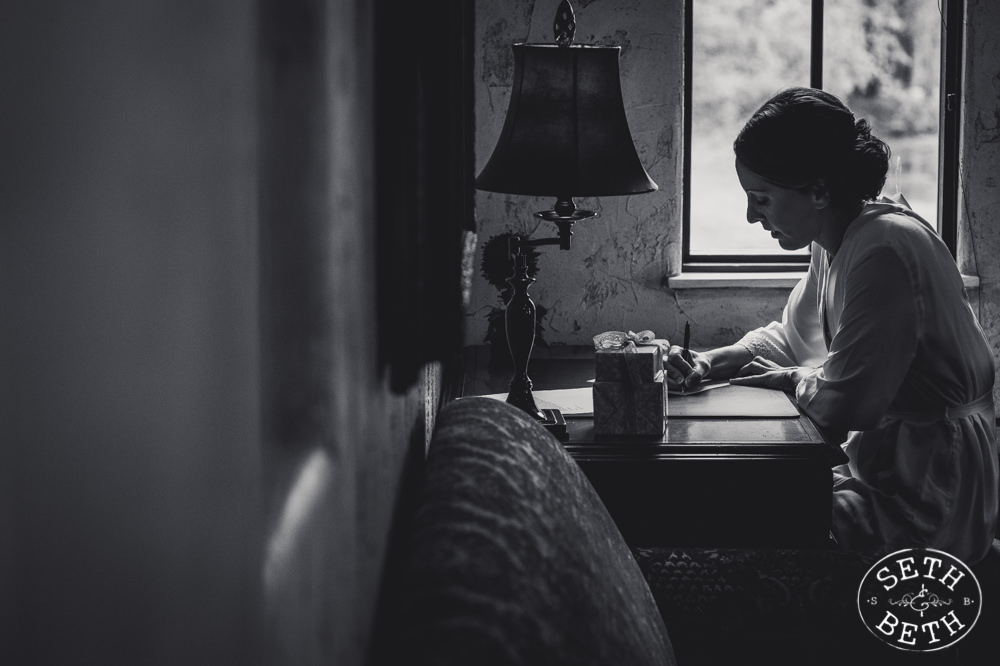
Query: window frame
[(948, 144)]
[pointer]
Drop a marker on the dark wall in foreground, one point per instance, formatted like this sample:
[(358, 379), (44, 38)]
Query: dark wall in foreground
[(186, 249)]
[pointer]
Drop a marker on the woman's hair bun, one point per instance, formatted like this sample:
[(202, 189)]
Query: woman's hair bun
[(871, 161)]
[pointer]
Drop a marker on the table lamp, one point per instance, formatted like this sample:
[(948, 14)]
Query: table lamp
[(565, 135)]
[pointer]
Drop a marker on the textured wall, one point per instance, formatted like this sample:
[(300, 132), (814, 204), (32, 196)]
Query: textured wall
[(979, 215), (614, 277), (336, 442)]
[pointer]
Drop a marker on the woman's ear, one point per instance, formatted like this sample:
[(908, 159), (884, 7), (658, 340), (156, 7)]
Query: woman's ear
[(820, 193)]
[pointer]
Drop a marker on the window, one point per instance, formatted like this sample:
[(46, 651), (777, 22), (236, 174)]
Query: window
[(883, 57)]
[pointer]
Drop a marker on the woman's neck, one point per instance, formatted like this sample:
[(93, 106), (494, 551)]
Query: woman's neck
[(834, 227)]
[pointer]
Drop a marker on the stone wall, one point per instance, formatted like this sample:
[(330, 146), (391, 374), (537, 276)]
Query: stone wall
[(979, 212)]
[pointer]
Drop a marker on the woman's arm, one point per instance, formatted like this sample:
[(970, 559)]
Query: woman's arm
[(796, 340), (721, 363), (872, 351), (725, 362)]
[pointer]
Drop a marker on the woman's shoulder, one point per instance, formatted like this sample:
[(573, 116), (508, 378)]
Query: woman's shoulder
[(888, 223), (892, 238)]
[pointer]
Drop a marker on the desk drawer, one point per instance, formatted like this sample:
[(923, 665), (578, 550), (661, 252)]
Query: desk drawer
[(752, 501)]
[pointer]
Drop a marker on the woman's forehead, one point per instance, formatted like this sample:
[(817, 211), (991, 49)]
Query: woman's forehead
[(752, 181)]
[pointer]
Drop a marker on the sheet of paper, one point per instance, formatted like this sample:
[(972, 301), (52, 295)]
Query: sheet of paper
[(732, 401), (574, 401), (729, 401), (704, 386)]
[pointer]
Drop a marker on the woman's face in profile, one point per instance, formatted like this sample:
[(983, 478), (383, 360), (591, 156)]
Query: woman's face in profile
[(789, 214)]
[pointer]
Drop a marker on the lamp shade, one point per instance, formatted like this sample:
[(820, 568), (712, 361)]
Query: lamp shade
[(565, 133)]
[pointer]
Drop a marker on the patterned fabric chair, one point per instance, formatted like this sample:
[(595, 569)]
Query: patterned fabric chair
[(514, 558)]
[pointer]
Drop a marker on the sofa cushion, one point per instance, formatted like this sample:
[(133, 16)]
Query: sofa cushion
[(514, 558)]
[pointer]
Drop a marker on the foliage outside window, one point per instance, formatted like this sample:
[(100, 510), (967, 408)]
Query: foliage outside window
[(883, 57)]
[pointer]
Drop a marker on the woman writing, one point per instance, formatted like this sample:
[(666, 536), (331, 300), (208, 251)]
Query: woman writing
[(878, 342)]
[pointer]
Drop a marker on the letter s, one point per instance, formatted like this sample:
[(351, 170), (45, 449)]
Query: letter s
[(884, 575)]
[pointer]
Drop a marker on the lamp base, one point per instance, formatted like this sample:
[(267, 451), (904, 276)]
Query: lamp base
[(551, 419), (555, 423)]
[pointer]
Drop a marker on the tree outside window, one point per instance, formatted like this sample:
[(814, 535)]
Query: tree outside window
[(883, 57)]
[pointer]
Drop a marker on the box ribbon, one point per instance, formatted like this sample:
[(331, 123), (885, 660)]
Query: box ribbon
[(627, 342)]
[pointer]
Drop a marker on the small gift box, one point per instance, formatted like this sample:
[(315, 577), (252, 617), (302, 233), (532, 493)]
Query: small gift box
[(630, 396), (625, 408)]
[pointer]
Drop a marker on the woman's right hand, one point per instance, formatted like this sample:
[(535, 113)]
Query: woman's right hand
[(680, 373)]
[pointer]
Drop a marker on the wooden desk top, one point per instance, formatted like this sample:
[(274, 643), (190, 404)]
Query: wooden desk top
[(726, 482), (560, 367)]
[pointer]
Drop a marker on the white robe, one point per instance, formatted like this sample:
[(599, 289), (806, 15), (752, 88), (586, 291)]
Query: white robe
[(904, 372)]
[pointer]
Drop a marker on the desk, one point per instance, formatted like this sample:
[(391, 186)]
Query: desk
[(748, 482)]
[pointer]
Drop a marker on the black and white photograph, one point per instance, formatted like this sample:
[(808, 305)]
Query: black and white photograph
[(499, 332)]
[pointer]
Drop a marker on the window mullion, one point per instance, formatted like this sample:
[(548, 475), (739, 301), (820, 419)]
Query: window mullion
[(816, 46), (951, 84)]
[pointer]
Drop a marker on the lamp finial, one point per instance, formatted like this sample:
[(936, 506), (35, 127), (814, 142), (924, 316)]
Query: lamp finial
[(564, 27)]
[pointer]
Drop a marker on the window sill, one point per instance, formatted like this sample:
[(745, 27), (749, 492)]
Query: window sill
[(747, 280), (758, 280)]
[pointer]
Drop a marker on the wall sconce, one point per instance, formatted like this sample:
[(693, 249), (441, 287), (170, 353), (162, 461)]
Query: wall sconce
[(565, 135)]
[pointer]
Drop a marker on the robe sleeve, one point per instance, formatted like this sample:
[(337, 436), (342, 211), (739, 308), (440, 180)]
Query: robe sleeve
[(873, 348), (797, 340)]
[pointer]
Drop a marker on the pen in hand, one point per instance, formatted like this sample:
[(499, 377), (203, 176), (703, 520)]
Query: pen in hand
[(686, 354)]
